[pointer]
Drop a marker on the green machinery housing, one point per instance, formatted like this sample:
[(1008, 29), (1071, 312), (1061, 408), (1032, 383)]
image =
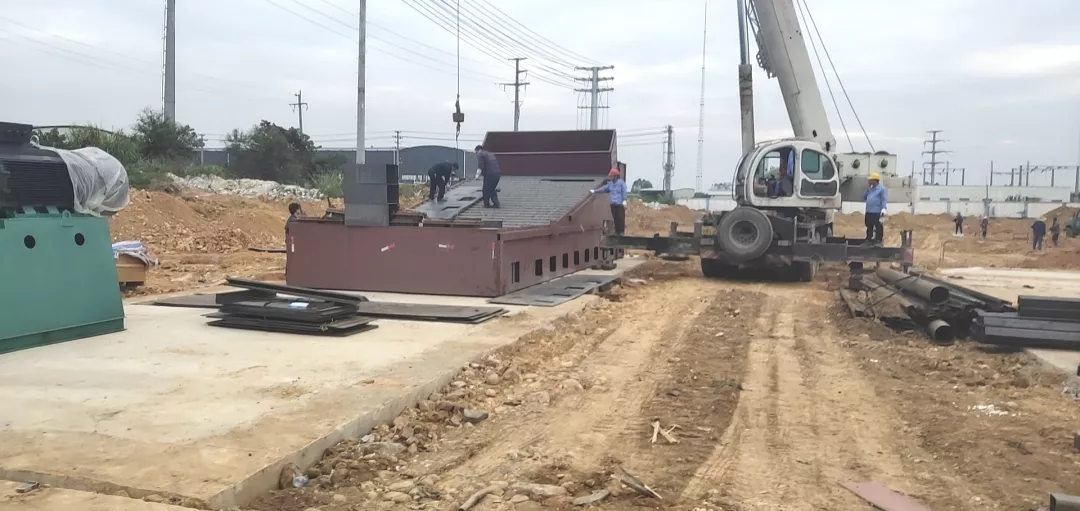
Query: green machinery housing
[(57, 273)]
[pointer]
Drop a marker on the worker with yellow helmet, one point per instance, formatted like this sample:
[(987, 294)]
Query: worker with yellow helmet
[(877, 201)]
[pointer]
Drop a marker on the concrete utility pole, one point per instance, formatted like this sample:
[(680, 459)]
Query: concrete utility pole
[(669, 160), (300, 106), (397, 147), (169, 85), (517, 84), (361, 85), (594, 92), (933, 152)]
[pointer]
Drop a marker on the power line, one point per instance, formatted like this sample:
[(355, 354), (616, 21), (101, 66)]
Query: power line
[(354, 39), (446, 21), (97, 62), (840, 81), (525, 31), (494, 31)]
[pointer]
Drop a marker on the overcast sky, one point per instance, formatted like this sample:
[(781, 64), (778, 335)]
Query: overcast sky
[(1001, 80)]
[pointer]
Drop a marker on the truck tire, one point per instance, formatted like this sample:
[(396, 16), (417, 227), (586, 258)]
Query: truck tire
[(744, 234), (716, 269), (804, 271)]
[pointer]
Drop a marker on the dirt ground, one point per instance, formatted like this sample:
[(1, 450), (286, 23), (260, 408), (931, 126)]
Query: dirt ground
[(199, 238), (772, 397)]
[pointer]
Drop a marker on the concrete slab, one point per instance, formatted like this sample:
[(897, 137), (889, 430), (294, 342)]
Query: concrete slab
[(178, 408), (57, 499), (1009, 284)]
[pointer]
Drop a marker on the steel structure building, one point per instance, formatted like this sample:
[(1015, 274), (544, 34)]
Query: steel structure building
[(549, 225)]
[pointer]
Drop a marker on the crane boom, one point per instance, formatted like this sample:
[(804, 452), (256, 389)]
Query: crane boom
[(782, 53)]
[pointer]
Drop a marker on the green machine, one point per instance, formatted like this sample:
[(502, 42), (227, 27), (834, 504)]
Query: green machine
[(57, 273)]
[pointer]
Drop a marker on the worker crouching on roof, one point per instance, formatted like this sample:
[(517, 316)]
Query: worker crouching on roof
[(877, 200), (488, 167), (438, 176), (616, 190)]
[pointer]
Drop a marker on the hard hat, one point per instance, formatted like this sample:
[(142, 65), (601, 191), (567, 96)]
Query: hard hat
[(875, 176), (613, 173)]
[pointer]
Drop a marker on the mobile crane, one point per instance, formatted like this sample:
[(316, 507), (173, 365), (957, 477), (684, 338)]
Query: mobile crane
[(784, 220)]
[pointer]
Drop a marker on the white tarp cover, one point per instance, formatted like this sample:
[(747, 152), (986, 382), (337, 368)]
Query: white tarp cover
[(98, 178)]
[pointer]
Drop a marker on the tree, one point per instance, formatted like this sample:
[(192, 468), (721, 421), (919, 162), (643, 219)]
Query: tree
[(640, 184), (720, 187), (160, 139), (268, 151)]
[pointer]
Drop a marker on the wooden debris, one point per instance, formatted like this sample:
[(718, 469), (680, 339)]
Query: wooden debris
[(668, 436), (635, 484), (655, 430), (477, 497), (666, 433), (881, 497)]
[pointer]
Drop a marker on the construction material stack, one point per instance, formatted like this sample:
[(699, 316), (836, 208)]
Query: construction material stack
[(57, 273), (1039, 322)]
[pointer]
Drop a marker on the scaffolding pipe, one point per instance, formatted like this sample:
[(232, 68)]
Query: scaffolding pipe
[(928, 291)]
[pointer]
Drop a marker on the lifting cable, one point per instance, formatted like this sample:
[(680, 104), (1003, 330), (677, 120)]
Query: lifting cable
[(459, 117), (843, 89), (828, 84)]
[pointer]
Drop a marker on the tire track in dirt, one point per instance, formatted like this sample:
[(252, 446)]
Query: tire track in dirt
[(588, 426), (807, 420)]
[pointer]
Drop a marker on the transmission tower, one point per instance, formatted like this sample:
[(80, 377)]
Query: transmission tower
[(698, 185), (933, 152), (594, 91)]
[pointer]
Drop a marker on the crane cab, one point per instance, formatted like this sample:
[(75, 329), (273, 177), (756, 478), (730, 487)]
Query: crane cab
[(790, 173)]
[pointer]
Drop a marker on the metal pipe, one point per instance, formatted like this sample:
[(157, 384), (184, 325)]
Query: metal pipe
[(913, 284), (940, 331)]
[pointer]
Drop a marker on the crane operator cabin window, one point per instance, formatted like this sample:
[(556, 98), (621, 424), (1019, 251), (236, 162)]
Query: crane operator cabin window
[(773, 176)]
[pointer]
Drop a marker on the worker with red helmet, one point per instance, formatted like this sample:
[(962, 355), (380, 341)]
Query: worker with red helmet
[(617, 192)]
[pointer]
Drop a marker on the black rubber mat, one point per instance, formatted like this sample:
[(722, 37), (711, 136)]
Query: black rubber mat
[(555, 292)]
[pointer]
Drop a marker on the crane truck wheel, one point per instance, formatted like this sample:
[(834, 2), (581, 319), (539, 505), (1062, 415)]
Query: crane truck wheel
[(804, 271), (744, 233)]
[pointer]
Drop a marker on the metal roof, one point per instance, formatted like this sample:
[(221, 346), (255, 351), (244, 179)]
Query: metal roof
[(527, 201)]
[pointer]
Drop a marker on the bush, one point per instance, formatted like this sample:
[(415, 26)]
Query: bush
[(329, 184)]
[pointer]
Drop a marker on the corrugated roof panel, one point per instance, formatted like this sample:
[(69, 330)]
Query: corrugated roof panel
[(529, 201)]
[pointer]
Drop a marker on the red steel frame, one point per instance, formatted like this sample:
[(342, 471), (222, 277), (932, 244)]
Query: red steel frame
[(464, 261)]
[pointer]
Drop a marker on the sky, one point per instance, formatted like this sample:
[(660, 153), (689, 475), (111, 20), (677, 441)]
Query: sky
[(1002, 82)]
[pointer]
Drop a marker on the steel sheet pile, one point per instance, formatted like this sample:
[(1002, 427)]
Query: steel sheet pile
[(1039, 322)]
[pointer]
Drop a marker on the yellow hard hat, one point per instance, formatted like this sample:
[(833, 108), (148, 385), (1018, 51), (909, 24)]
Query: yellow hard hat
[(875, 176)]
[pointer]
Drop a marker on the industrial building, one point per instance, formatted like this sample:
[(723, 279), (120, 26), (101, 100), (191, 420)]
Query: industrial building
[(413, 162), (549, 224)]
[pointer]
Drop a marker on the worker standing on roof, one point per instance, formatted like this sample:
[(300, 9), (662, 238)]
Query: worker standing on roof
[(438, 176), (616, 190), (877, 201), (488, 167)]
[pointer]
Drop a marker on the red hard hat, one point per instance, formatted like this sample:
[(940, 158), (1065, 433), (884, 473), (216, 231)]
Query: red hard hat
[(613, 173)]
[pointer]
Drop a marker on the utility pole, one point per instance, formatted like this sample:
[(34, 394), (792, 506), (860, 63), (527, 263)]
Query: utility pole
[(202, 149), (397, 147), (933, 152), (169, 85), (517, 84), (594, 91), (300, 106), (669, 160)]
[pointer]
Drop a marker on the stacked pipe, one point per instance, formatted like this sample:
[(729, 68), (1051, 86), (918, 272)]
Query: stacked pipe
[(923, 301)]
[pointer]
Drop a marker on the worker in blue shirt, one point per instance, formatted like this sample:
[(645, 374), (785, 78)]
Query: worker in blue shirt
[(616, 190), (1038, 232), (877, 200)]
